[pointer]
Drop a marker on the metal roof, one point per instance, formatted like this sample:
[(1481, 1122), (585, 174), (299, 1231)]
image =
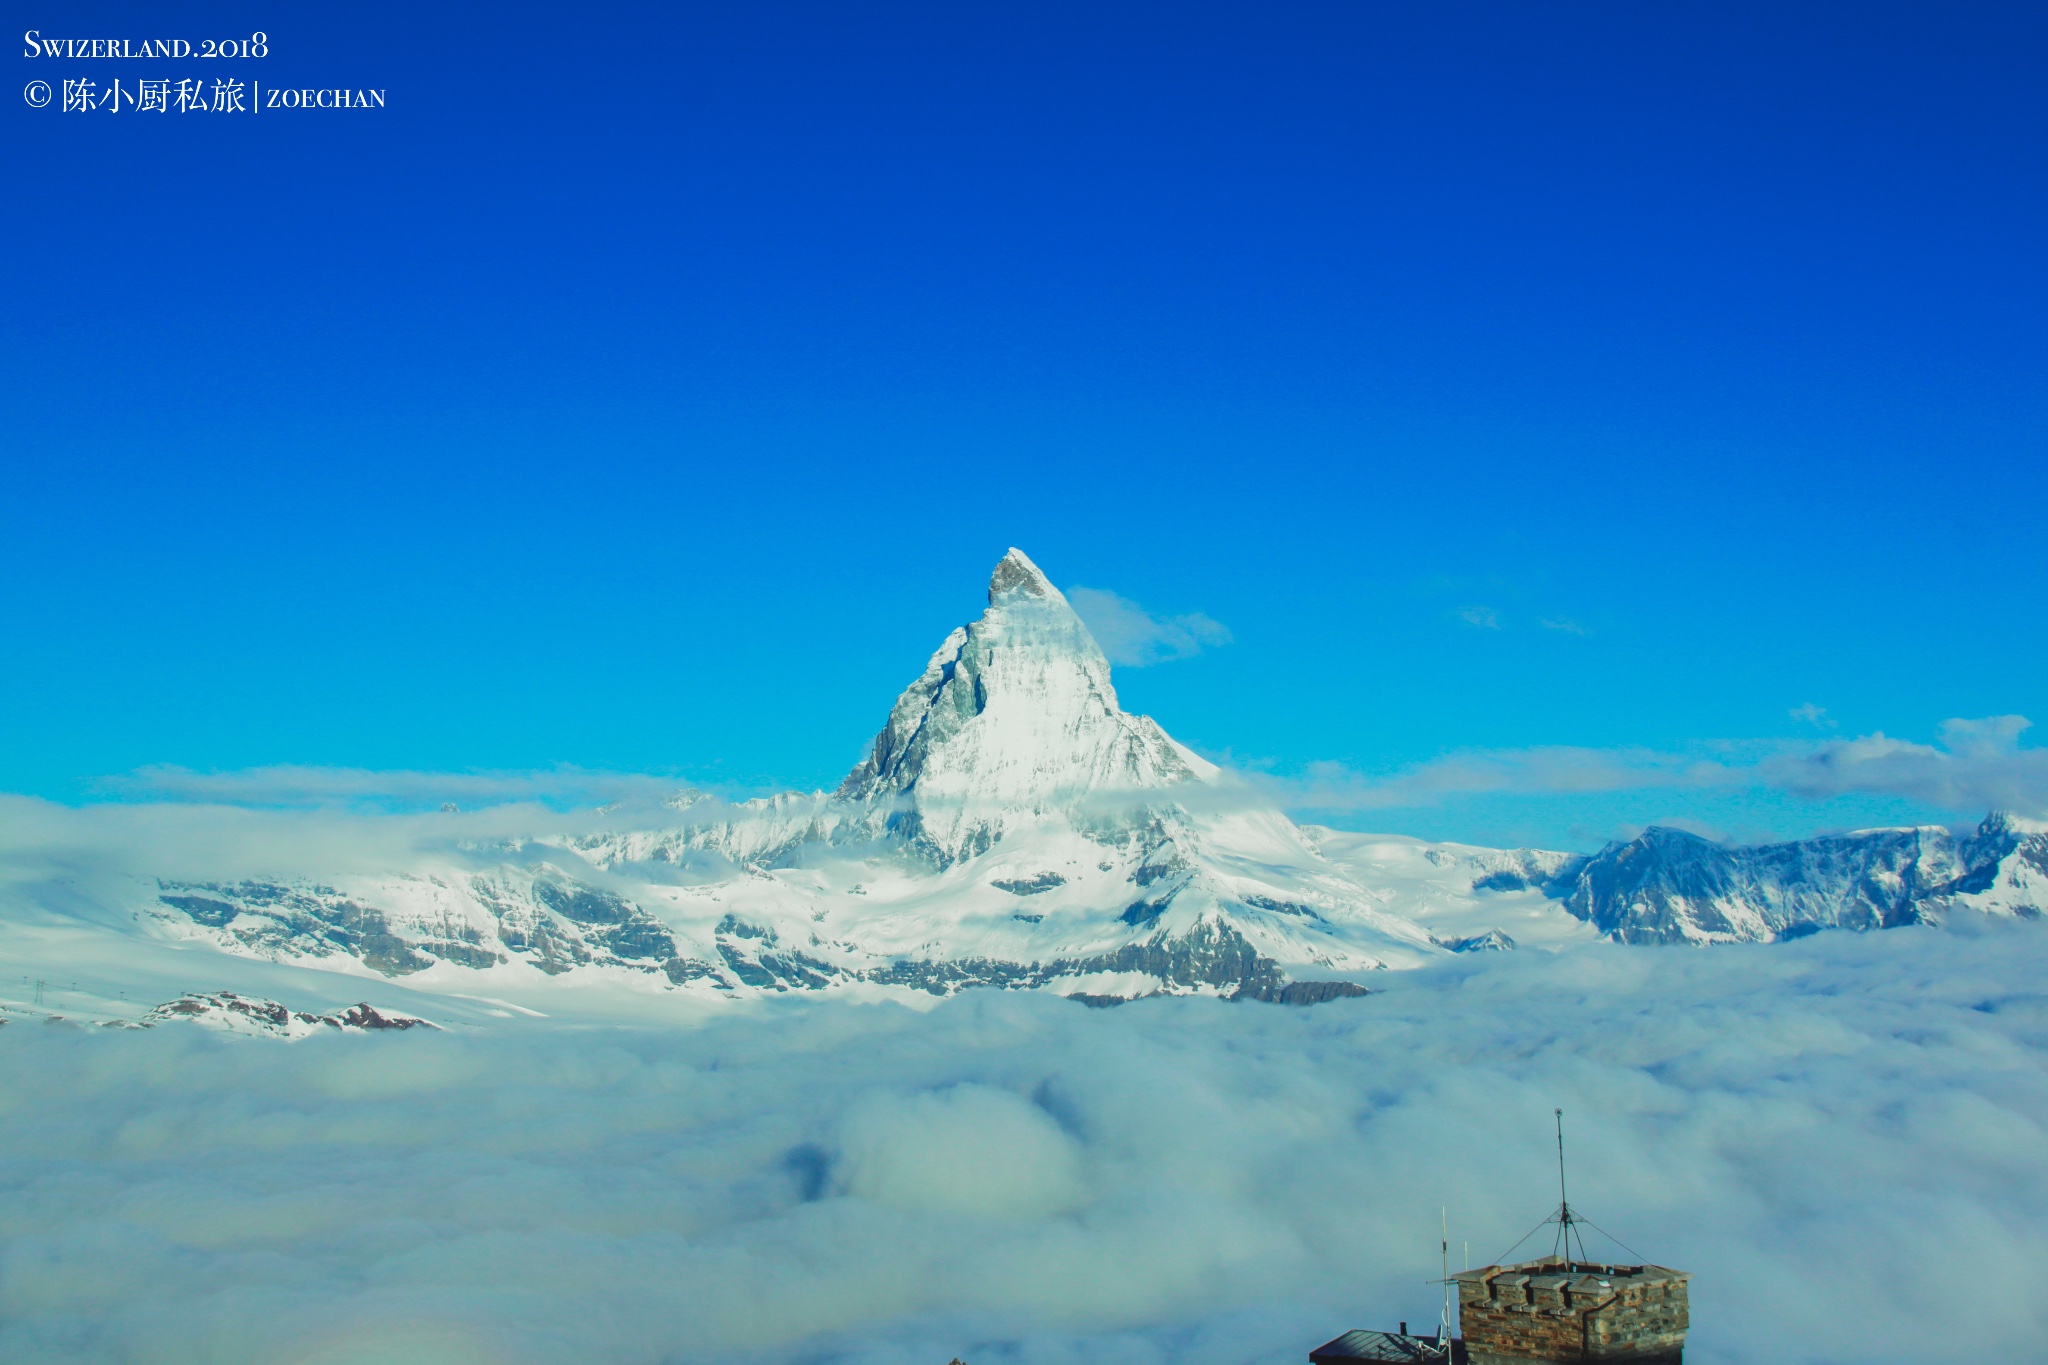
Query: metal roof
[(1386, 1346)]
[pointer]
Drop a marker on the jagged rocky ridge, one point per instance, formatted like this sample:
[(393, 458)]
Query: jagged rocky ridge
[(232, 1012), (1668, 886), (1011, 826), (407, 924)]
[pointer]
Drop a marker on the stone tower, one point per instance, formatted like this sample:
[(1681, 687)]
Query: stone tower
[(1555, 1310)]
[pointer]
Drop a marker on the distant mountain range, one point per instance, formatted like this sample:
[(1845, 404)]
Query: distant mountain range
[(1012, 826), (1667, 886)]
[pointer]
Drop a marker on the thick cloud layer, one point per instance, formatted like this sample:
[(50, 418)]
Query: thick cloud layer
[(1843, 1138)]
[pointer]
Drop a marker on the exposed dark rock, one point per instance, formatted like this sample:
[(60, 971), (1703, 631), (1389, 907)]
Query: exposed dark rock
[(566, 924), (1493, 940), (801, 971), (1030, 886), (369, 1017), (248, 1014), (944, 978), (1148, 873), (1143, 913), (747, 970), (1211, 955), (214, 914), (681, 969), (583, 904), (314, 920), (369, 934), (554, 951), (1280, 907), (463, 954), (645, 937), (1300, 992)]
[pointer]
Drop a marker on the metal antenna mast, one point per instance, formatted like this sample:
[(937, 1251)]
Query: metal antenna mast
[(1564, 1218)]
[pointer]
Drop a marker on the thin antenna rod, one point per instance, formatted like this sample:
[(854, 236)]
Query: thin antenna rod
[(1562, 1202), (1443, 1327)]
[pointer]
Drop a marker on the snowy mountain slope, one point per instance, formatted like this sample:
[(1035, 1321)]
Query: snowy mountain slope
[(1460, 893), (1013, 826)]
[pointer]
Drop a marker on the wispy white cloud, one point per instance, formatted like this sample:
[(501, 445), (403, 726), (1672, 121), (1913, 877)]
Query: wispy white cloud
[(1977, 766), (1134, 637), (1486, 618), (1549, 769), (306, 785), (1816, 716), (1564, 626)]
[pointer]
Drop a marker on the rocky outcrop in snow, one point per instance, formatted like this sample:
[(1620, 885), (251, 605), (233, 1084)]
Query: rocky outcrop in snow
[(232, 1013), (532, 914)]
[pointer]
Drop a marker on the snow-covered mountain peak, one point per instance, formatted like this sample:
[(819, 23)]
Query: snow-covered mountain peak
[(1014, 717)]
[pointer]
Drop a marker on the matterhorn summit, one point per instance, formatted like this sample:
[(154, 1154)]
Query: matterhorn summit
[(1012, 826), (1014, 720)]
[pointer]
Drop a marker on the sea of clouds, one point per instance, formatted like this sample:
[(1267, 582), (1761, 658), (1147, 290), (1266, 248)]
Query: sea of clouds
[(1842, 1138)]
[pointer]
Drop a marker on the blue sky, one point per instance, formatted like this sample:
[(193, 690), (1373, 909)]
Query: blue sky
[(649, 390)]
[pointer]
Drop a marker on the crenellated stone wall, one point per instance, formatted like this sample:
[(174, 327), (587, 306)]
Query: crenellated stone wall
[(1553, 1310)]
